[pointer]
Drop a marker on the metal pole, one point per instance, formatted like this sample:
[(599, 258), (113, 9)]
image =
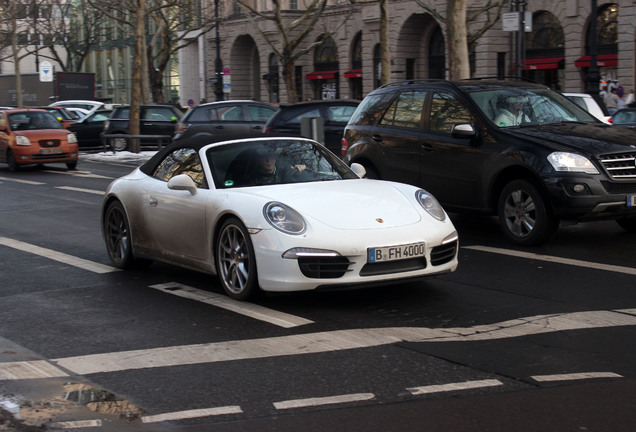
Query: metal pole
[(593, 76), (218, 88)]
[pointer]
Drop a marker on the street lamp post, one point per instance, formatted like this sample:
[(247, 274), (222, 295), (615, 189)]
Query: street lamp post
[(593, 77), (218, 84)]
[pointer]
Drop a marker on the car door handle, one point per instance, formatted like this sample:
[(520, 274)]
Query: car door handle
[(219, 127), (257, 127), (152, 201), (427, 147), (376, 137)]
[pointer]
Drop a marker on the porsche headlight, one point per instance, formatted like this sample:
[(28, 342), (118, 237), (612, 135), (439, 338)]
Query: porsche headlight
[(22, 140), (430, 204), (571, 162), (284, 218)]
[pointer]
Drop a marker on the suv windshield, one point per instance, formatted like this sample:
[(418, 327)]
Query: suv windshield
[(520, 107)]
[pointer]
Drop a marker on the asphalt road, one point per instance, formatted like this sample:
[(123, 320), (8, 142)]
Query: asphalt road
[(517, 339)]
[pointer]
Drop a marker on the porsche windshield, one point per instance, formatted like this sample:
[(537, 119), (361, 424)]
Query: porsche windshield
[(261, 162), (512, 107)]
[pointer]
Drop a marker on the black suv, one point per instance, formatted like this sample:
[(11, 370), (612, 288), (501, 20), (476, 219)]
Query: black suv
[(334, 113), (153, 120), (507, 147), (224, 117)]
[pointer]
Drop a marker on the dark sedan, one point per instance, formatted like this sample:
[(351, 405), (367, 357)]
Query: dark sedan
[(88, 129), (334, 114)]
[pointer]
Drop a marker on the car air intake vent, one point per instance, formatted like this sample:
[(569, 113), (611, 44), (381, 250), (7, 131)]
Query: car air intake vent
[(380, 268), (621, 165), (443, 254), (323, 267)]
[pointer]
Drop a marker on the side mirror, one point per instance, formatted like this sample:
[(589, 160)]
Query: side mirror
[(183, 182), (358, 169), (463, 130)]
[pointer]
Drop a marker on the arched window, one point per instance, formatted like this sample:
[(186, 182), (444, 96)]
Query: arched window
[(437, 55)]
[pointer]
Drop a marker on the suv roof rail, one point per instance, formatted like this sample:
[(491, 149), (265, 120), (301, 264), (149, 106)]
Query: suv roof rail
[(415, 81), (501, 78)]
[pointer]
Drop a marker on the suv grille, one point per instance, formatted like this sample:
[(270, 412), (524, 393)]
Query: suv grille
[(621, 165)]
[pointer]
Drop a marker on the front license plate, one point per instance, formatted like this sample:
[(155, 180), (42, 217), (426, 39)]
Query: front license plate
[(394, 253), (50, 151), (631, 200)]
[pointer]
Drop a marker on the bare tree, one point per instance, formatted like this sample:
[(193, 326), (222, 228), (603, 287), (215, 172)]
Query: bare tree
[(293, 27), (460, 40)]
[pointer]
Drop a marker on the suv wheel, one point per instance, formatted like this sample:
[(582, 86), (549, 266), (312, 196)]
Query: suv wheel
[(523, 214)]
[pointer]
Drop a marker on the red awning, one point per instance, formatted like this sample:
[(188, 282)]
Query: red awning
[(353, 73), (321, 75), (543, 63), (601, 60)]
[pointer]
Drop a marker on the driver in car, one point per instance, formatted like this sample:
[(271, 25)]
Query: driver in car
[(267, 171), (511, 114)]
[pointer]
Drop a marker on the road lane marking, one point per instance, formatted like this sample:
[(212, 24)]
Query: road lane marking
[(554, 259), (467, 385), (58, 256), (85, 174), (222, 301), (189, 414), (76, 424), (75, 189), (21, 181), (29, 370), (575, 376), (329, 400), (312, 343)]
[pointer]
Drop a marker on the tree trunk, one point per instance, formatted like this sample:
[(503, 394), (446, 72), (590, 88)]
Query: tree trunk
[(136, 93), (290, 81), (458, 62)]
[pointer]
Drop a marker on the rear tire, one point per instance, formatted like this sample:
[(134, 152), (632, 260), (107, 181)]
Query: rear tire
[(524, 215), (117, 236)]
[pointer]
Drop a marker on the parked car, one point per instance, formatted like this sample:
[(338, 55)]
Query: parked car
[(588, 103), (624, 117), (33, 136), (217, 207), (79, 112), (558, 163), (89, 105), (65, 116), (224, 117), (334, 113), (153, 120), (88, 130)]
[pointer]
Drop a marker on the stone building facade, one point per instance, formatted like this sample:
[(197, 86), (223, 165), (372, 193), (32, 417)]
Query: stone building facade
[(347, 66)]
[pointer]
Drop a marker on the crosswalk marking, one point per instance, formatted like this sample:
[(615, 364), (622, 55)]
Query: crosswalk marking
[(75, 189), (29, 370), (248, 309), (189, 414), (14, 180), (311, 343), (319, 401), (575, 376)]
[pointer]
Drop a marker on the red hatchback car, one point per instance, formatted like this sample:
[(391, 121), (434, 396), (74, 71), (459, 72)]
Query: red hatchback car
[(34, 136)]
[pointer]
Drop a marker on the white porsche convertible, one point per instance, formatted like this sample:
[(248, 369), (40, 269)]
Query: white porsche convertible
[(274, 213)]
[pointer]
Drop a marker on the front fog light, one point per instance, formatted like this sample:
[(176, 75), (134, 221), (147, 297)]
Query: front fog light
[(579, 188)]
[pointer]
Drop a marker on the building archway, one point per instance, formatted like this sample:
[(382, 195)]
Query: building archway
[(354, 75), (421, 49), (606, 45), (245, 76), (545, 50), (324, 78)]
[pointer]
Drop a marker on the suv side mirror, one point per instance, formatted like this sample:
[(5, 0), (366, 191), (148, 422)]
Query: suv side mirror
[(463, 130)]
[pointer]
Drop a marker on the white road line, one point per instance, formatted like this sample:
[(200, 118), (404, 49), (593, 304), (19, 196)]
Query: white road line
[(311, 343), (554, 259), (329, 400), (467, 385), (85, 174), (76, 424), (248, 309), (57, 256), (74, 189), (29, 370), (575, 376), (21, 181), (181, 415)]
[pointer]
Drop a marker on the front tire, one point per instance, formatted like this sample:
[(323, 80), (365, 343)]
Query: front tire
[(13, 165), (524, 215), (235, 261), (116, 230), (71, 165)]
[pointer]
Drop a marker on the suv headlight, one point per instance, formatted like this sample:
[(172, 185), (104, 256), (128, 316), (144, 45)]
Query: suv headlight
[(22, 140), (284, 218), (571, 162), (430, 204)]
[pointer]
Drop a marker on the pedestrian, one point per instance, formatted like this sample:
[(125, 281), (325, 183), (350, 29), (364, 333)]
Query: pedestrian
[(629, 98), (611, 101)]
